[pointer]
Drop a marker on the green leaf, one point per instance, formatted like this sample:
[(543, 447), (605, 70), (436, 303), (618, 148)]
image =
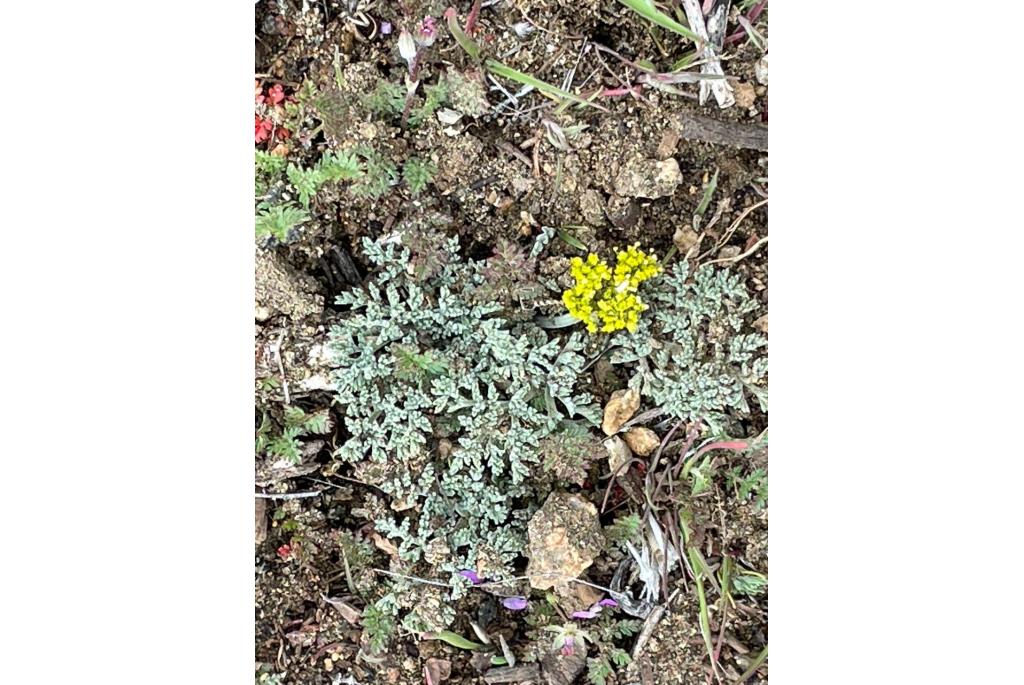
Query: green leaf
[(454, 639), (318, 423), (620, 657), (647, 10), (465, 41), (708, 192), (339, 166), (570, 239), (697, 562), (279, 220), (546, 88)]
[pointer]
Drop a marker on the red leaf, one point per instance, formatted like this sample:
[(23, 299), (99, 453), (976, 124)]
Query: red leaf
[(275, 94)]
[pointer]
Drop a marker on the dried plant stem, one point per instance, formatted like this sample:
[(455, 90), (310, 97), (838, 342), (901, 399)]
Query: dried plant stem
[(732, 228), (286, 495), (737, 258), (280, 367)]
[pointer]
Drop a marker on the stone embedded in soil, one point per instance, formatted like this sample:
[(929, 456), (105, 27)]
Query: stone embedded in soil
[(564, 538), (622, 212), (592, 207), (563, 669), (761, 70), (620, 408), (649, 178), (642, 440), (618, 453)]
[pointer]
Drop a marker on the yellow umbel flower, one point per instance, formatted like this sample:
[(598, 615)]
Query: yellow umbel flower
[(607, 301)]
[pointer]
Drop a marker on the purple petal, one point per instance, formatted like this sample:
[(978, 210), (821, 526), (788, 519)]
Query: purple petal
[(385, 28), (514, 603), (568, 647), (608, 603), (471, 575), (585, 614)]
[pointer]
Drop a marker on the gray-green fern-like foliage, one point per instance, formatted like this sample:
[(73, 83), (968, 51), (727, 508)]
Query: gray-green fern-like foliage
[(422, 361), (696, 355)]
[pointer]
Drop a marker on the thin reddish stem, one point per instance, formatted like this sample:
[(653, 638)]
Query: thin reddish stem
[(619, 92), (752, 16), (474, 14)]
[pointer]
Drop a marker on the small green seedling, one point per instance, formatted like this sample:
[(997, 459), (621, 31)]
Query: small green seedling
[(647, 10)]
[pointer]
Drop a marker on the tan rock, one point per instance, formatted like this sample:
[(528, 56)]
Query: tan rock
[(650, 178), (761, 70), (592, 207), (620, 408), (564, 538), (642, 440), (744, 94), (618, 453)]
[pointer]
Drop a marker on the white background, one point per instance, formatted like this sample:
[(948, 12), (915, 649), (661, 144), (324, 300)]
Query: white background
[(126, 264)]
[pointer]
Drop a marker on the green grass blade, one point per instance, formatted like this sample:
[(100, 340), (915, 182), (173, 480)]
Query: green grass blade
[(705, 623), (570, 239), (508, 72), (708, 192), (465, 41), (454, 639), (647, 10)]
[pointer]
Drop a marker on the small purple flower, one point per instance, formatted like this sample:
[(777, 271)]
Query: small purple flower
[(386, 28), (471, 576), (608, 603), (589, 613), (426, 32), (514, 603), (568, 647)]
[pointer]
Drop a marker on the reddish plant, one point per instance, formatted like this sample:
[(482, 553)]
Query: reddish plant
[(752, 16), (269, 110), (263, 128), (275, 94)]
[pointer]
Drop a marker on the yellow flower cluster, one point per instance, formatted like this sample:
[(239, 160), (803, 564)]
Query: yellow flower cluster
[(607, 301)]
